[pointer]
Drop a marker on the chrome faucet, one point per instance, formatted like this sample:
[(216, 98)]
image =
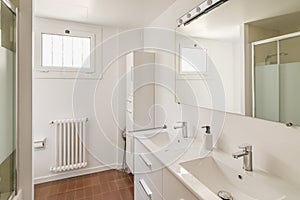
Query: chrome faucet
[(246, 153), (183, 126)]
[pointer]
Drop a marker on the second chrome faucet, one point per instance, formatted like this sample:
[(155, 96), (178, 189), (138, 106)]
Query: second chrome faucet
[(183, 126), (246, 153)]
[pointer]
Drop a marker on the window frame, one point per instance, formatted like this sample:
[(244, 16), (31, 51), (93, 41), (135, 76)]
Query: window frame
[(73, 33), (47, 25)]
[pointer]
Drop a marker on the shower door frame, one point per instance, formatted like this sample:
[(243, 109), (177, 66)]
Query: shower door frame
[(265, 41), (13, 8), (10, 5)]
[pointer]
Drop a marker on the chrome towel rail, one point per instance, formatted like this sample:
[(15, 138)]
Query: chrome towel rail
[(148, 129)]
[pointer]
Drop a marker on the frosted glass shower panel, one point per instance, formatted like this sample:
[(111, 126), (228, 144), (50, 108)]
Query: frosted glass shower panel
[(289, 80), (267, 92), (7, 103), (266, 82), (289, 93), (276, 80)]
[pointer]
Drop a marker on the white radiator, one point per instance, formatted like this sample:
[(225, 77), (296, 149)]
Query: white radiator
[(69, 144)]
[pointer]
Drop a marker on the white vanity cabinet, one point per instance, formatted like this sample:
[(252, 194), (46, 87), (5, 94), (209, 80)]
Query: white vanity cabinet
[(129, 150), (173, 189), (148, 174)]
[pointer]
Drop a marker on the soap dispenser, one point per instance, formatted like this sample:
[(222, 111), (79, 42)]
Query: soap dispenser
[(208, 140)]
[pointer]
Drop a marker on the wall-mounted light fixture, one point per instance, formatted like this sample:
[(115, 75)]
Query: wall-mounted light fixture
[(199, 10)]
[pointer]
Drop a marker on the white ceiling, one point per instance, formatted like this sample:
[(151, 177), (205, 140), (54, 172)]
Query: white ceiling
[(121, 13), (224, 22), (280, 23)]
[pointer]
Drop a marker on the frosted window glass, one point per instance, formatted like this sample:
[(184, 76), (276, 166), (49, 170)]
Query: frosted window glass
[(193, 60), (86, 46), (57, 51), (67, 49), (186, 66), (77, 52), (47, 50)]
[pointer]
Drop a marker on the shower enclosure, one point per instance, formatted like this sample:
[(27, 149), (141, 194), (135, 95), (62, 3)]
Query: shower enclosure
[(276, 82), (7, 100)]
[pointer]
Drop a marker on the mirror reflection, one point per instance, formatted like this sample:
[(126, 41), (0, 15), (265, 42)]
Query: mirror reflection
[(255, 51), (276, 79)]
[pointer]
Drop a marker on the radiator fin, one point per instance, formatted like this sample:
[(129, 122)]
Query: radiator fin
[(69, 144)]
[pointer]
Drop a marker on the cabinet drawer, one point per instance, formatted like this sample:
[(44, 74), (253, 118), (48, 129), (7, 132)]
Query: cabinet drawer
[(145, 161), (145, 189), (148, 171)]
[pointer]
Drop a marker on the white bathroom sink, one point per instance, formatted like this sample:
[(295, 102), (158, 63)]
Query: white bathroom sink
[(170, 146), (217, 176), (164, 142), (160, 139), (179, 144)]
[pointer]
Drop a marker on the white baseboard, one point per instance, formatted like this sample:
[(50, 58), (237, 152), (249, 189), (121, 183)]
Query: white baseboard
[(118, 166), (79, 172)]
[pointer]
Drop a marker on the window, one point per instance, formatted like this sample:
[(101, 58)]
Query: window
[(193, 60), (64, 52), (68, 50)]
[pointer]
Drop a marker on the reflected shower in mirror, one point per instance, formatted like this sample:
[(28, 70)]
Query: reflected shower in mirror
[(276, 79), (253, 47)]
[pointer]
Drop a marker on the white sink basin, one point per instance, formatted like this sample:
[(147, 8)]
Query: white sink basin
[(160, 139), (217, 176), (179, 144), (167, 147), (164, 142)]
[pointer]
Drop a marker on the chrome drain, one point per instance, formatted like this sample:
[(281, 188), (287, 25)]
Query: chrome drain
[(225, 195)]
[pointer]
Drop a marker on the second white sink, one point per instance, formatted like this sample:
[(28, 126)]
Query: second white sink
[(218, 176)]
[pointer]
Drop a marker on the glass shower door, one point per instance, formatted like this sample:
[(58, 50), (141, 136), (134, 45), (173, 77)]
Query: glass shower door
[(7, 102), (289, 80), (276, 79), (266, 82)]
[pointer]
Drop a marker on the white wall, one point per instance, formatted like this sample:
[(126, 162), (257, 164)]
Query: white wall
[(226, 58), (276, 147), (62, 98)]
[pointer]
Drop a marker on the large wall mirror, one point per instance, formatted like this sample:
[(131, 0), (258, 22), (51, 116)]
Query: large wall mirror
[(254, 47)]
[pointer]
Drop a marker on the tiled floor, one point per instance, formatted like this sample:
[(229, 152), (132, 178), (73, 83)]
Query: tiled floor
[(107, 185)]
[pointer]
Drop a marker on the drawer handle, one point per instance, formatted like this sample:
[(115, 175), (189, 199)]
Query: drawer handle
[(145, 187), (129, 111), (129, 101), (146, 160)]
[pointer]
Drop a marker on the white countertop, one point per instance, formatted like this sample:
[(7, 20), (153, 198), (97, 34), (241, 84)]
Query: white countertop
[(171, 159)]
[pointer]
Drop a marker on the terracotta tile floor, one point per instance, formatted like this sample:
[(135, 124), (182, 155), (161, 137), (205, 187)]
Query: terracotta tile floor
[(107, 185)]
